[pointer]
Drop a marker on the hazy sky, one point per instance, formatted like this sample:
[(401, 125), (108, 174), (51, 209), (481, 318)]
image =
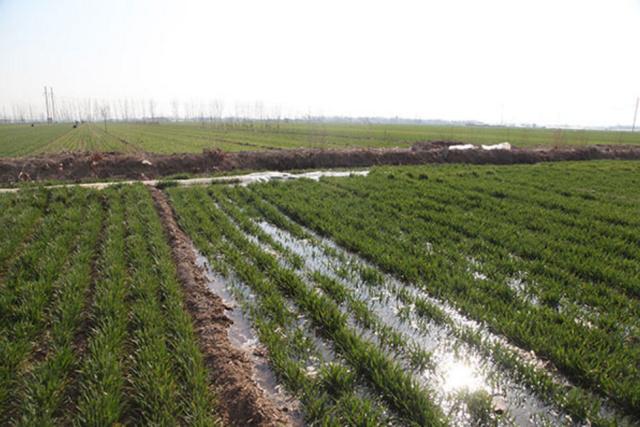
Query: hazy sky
[(544, 61)]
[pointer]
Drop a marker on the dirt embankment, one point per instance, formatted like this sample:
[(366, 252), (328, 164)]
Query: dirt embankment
[(78, 166), (240, 401)]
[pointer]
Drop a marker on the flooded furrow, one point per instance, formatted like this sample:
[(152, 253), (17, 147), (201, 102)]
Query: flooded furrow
[(235, 295), (324, 355), (459, 368), (324, 349)]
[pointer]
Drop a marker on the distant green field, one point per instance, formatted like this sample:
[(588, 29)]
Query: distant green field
[(193, 137)]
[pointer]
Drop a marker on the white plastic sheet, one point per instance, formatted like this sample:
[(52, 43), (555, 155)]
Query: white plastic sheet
[(501, 146), (462, 147)]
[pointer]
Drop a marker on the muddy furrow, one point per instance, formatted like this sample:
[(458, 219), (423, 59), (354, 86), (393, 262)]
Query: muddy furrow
[(240, 400)]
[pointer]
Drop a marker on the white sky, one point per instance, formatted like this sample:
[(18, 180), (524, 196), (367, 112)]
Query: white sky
[(544, 61)]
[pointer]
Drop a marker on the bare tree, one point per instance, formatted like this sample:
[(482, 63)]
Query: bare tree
[(143, 110), (201, 112), (175, 109), (125, 109), (187, 110), (277, 114), (134, 109), (152, 109), (18, 113), (96, 109), (192, 109), (104, 112)]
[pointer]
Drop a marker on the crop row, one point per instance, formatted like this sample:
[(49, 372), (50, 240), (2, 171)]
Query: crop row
[(341, 278), (434, 228), (42, 275), (22, 214), (262, 271), (86, 137), (22, 140), (94, 328), (412, 306), (388, 338), (323, 385)]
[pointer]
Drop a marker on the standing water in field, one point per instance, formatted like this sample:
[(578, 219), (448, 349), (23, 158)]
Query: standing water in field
[(241, 334), (243, 180), (461, 378)]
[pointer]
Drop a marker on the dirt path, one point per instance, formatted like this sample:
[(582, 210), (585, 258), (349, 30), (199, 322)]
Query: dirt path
[(241, 401), (145, 166)]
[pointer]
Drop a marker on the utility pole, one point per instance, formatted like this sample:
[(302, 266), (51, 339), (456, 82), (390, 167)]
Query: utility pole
[(53, 108), (46, 102), (635, 115)]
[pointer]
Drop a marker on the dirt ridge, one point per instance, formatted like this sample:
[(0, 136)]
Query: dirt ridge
[(241, 402), (79, 166)]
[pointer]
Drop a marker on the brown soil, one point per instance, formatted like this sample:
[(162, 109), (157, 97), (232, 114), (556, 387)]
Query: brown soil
[(78, 166), (240, 401)]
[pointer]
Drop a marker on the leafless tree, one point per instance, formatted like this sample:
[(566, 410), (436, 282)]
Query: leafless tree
[(125, 109), (175, 109), (18, 113), (104, 112), (193, 110), (152, 109), (277, 114), (96, 109), (201, 112), (217, 107), (143, 110)]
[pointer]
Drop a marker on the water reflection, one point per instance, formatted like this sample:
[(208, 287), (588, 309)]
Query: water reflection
[(459, 375)]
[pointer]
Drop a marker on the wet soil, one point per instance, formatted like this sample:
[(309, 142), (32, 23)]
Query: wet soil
[(241, 401), (78, 166)]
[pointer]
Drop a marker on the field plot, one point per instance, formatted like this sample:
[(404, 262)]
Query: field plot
[(24, 140), (170, 138), (193, 137), (416, 295), (93, 325), (439, 295), (87, 137)]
